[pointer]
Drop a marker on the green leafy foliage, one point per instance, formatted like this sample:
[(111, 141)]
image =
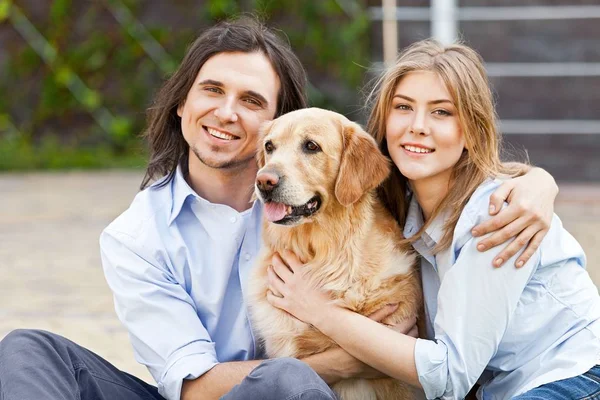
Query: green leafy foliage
[(49, 114)]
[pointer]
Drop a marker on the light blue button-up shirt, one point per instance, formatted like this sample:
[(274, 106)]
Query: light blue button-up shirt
[(510, 330), (177, 265)]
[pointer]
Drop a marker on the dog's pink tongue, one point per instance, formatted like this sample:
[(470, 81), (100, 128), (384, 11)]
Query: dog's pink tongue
[(275, 211)]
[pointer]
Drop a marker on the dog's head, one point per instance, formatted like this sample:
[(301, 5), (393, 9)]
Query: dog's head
[(311, 159)]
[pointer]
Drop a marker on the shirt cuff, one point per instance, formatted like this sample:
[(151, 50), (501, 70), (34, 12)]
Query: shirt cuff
[(431, 360), (190, 362)]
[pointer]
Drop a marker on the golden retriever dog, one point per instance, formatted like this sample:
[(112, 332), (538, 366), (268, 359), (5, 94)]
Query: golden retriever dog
[(317, 179)]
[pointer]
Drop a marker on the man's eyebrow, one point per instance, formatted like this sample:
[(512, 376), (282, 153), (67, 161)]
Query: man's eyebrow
[(251, 93), (211, 82), (431, 102)]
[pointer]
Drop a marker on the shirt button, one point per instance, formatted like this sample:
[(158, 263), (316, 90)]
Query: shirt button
[(247, 256), (232, 219)]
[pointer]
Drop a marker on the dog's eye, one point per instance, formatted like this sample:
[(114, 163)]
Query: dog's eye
[(311, 146), (269, 147)]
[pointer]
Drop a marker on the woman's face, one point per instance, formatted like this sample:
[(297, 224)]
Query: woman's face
[(423, 132)]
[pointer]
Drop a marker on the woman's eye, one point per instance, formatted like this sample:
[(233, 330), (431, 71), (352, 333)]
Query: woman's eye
[(311, 146), (442, 112), (403, 107), (269, 147)]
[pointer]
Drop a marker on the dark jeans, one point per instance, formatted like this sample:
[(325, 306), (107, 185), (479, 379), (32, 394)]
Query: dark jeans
[(38, 365), (582, 387)]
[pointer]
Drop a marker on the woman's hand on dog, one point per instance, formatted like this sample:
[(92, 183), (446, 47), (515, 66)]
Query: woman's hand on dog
[(290, 291)]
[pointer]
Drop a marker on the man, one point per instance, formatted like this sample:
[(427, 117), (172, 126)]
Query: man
[(178, 258)]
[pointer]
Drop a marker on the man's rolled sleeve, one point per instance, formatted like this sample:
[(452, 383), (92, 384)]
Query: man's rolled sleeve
[(160, 316), (190, 362), (431, 359)]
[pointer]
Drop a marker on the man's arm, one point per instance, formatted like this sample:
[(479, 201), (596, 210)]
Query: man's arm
[(217, 381), (160, 316), (527, 218), (331, 365)]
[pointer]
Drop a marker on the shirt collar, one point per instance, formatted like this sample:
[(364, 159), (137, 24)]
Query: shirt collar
[(414, 217), (414, 221), (180, 191), (435, 230)]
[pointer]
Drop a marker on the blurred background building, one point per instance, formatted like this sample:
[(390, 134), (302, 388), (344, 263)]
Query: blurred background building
[(77, 76)]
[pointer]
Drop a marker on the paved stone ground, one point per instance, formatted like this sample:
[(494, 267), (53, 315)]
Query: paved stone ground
[(50, 272)]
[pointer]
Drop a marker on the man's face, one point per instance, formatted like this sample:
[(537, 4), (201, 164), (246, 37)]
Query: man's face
[(233, 94)]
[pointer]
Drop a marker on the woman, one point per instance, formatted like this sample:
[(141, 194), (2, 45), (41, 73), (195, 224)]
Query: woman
[(532, 333)]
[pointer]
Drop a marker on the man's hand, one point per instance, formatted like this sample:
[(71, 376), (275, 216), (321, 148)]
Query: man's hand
[(336, 364), (406, 327), (527, 218)]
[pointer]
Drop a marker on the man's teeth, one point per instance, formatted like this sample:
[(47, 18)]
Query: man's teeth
[(220, 135), (414, 149)]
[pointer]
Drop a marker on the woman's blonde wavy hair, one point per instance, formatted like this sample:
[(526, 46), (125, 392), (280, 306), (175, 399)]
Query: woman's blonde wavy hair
[(463, 73)]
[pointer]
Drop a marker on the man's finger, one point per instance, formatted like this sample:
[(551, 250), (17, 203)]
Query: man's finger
[(534, 244), (405, 326), (503, 235), (499, 196), (499, 221), (515, 246), (414, 332), (384, 312)]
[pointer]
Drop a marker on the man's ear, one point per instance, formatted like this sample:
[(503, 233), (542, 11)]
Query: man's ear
[(263, 131), (363, 167)]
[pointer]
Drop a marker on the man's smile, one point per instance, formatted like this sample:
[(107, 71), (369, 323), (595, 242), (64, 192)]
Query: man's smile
[(219, 134)]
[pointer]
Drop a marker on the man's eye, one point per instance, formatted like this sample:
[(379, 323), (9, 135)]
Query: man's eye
[(252, 101), (212, 89), (269, 147), (311, 146)]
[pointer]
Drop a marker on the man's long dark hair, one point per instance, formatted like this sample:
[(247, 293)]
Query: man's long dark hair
[(165, 139)]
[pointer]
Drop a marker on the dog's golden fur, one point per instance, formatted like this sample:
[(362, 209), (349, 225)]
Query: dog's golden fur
[(351, 245)]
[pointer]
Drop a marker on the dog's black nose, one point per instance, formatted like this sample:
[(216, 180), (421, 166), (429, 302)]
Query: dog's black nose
[(267, 181)]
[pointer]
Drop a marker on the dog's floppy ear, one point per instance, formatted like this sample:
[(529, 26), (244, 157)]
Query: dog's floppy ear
[(363, 167), (260, 150)]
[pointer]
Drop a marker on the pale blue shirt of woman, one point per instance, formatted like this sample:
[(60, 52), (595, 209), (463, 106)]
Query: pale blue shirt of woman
[(509, 330)]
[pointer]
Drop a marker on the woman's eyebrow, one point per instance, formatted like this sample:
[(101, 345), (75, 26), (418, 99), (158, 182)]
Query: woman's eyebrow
[(429, 102)]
